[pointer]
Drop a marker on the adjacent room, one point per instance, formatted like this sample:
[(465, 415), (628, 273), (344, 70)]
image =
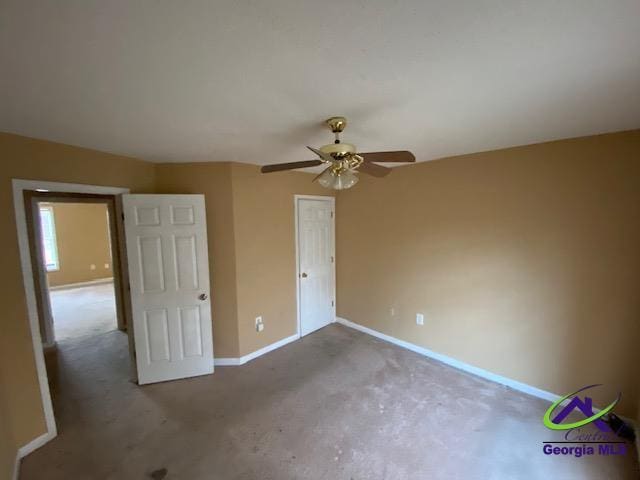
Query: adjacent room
[(77, 259), (320, 240), (77, 295)]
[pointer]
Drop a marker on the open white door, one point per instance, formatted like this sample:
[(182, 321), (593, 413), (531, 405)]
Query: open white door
[(316, 267), (166, 238)]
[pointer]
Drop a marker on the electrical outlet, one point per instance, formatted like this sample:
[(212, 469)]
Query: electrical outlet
[(392, 312), (106, 265), (259, 324), (92, 266), (419, 319)]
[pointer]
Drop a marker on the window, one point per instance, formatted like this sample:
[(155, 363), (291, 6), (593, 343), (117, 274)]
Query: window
[(49, 246)]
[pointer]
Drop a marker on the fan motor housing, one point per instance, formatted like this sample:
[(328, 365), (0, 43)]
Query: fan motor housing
[(339, 150)]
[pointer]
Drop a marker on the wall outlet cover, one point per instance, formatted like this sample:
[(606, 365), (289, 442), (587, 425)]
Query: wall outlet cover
[(92, 266), (419, 319)]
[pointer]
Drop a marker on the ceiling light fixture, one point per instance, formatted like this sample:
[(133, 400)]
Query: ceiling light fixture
[(343, 162), (337, 180)]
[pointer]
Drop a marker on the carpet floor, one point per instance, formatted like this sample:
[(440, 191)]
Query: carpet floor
[(83, 311), (337, 404)]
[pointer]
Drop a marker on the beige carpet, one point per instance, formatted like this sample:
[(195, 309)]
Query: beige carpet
[(83, 311), (337, 404)]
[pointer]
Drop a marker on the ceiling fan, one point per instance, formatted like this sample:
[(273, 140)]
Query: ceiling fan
[(343, 161)]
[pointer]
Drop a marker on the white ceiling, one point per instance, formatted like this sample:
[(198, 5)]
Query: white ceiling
[(251, 80)]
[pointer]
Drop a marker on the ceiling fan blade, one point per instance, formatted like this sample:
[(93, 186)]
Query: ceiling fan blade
[(324, 156), (400, 156), (374, 169), (290, 166)]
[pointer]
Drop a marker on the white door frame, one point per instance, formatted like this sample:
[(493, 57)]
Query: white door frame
[(331, 200), (19, 186)]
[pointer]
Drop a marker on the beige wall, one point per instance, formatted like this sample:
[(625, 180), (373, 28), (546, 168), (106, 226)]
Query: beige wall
[(82, 235), (35, 159), (214, 181), (251, 247), (525, 261), (265, 251), (8, 447)]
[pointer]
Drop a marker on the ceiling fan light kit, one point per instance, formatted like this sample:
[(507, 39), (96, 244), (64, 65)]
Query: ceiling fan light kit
[(337, 181), (343, 161)]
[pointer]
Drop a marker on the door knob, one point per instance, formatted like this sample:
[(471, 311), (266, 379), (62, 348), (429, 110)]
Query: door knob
[(202, 296), (304, 275)]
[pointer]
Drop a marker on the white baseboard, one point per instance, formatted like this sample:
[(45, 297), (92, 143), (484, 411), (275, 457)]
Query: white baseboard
[(493, 377), (16, 467), (521, 387), (28, 448), (227, 362), (88, 283), (35, 444)]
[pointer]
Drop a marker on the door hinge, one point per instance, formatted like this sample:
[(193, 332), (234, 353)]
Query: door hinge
[(332, 259), (122, 217), (332, 303), (331, 214)]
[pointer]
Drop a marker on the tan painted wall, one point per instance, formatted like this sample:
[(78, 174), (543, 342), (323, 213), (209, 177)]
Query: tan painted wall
[(265, 251), (82, 234), (27, 158), (250, 227), (214, 181), (8, 447), (525, 261)]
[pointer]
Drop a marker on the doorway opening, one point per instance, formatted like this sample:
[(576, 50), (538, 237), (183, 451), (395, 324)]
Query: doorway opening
[(77, 267), (78, 262), (169, 288)]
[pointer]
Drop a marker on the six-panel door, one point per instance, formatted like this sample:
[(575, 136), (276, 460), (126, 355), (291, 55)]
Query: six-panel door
[(316, 269), (166, 238)]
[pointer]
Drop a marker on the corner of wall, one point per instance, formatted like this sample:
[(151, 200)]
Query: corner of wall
[(214, 181), (230, 169)]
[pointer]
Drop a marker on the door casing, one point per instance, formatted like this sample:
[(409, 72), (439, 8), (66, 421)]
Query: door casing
[(120, 278), (19, 187)]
